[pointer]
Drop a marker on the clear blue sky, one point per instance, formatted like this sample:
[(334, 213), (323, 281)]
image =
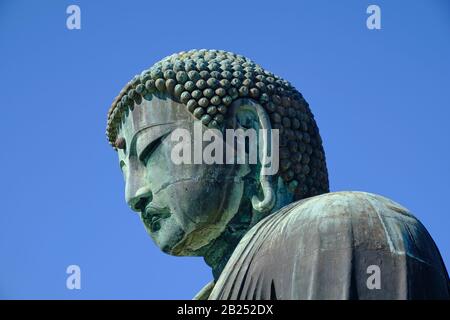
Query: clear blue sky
[(381, 99)]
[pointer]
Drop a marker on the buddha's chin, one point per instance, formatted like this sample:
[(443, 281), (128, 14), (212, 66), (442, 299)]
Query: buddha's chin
[(176, 244), (168, 236), (179, 240)]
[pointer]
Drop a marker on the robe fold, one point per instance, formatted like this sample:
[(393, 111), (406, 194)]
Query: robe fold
[(341, 245)]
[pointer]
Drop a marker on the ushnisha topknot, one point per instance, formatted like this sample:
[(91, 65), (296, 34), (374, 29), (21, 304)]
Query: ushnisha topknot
[(208, 81)]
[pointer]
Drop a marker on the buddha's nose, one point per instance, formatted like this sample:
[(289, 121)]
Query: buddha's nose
[(142, 197), (137, 191)]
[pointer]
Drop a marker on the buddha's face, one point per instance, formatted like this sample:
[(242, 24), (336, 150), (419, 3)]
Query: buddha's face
[(183, 206)]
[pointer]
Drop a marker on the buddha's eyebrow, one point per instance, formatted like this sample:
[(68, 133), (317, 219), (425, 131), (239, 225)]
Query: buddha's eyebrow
[(164, 127), (137, 133)]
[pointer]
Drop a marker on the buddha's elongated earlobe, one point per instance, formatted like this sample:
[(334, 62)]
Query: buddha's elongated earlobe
[(268, 200), (239, 109), (269, 197)]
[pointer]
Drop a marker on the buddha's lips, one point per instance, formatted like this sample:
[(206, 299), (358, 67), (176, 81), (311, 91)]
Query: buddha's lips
[(152, 216)]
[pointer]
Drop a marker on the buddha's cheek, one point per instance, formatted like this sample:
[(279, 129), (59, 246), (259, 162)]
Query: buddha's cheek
[(196, 215), (169, 235), (195, 206), (196, 203)]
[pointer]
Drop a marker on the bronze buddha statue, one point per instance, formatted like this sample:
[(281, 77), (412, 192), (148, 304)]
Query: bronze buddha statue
[(265, 236)]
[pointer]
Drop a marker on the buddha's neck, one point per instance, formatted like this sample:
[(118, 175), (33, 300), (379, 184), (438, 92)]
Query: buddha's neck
[(220, 251)]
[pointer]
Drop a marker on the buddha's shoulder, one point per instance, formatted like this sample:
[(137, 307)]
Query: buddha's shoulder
[(289, 253), (335, 206), (340, 219)]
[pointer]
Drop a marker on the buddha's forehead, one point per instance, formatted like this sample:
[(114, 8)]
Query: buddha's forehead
[(154, 112)]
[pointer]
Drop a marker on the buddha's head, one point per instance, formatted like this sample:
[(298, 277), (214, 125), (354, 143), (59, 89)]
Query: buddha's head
[(176, 110)]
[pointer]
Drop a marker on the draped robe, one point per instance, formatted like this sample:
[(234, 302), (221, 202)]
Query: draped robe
[(341, 245)]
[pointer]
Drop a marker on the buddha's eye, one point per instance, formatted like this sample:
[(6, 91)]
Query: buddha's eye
[(150, 148), (122, 164), (122, 168)]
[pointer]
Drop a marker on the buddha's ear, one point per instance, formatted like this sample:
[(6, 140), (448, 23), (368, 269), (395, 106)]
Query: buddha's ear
[(249, 114)]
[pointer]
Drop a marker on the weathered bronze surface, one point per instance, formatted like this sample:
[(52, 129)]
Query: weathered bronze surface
[(265, 237)]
